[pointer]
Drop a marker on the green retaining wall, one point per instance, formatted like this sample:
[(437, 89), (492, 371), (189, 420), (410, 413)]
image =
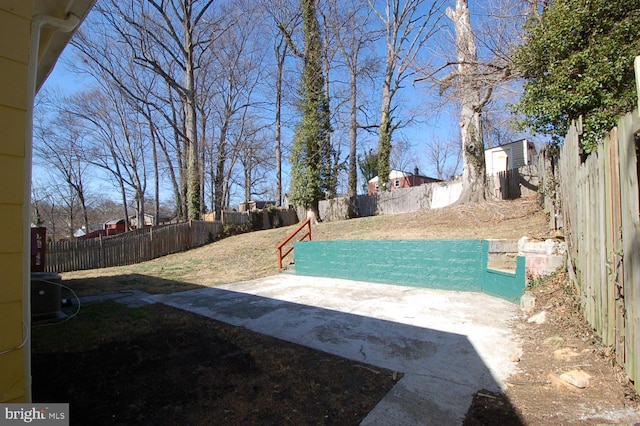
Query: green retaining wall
[(441, 264)]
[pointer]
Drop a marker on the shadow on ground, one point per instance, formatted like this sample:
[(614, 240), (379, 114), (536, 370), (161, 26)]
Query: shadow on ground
[(381, 325), (213, 361)]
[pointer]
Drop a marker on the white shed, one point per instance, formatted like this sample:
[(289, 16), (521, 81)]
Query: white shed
[(510, 156)]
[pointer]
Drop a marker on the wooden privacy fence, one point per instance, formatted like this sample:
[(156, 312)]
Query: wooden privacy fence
[(507, 185), (131, 247), (261, 219), (598, 201), (515, 183)]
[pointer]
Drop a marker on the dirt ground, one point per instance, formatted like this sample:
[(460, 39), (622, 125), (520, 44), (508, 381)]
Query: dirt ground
[(537, 394), (237, 372), (565, 342)]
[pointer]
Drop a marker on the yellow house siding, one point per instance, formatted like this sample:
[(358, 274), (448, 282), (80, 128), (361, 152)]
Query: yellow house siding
[(10, 168), (13, 92), (12, 380), (12, 373), (12, 331), (14, 38), (10, 229), (12, 123), (15, 24), (21, 8), (11, 276)]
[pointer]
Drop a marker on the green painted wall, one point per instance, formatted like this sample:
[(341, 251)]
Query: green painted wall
[(441, 264)]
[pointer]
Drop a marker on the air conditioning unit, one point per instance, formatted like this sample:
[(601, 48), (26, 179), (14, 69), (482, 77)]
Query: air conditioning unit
[(46, 296)]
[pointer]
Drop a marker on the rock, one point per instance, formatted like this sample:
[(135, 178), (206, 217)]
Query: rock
[(577, 378), (527, 302), (522, 242), (560, 384), (550, 247), (539, 318), (565, 354), (554, 341), (514, 357)]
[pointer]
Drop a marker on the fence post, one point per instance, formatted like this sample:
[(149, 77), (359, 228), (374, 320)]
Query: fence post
[(102, 262), (636, 66)]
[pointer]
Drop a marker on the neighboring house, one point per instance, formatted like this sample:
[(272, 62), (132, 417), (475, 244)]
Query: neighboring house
[(118, 226), (398, 179), (149, 220), (255, 205), (29, 47), (115, 226), (94, 231), (80, 232), (510, 156)]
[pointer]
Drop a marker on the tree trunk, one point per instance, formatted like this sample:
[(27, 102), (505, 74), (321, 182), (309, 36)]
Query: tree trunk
[(384, 138), (247, 181), (193, 159), (470, 89), (384, 150), (156, 171), (308, 159), (280, 57), (474, 180), (85, 216), (352, 190), (219, 179)]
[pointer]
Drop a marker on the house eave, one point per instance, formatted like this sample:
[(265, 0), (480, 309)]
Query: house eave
[(52, 42)]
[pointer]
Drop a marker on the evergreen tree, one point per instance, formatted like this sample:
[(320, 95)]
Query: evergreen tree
[(368, 165), (578, 61)]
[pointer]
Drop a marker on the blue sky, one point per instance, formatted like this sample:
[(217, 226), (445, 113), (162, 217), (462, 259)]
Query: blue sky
[(430, 124)]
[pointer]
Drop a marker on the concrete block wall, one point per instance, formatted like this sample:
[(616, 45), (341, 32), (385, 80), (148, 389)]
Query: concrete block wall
[(543, 257), (459, 265)]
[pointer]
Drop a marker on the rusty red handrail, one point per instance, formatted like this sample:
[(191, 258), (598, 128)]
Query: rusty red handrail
[(306, 223)]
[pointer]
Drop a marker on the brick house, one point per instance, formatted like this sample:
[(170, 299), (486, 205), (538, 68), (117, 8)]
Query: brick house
[(399, 179)]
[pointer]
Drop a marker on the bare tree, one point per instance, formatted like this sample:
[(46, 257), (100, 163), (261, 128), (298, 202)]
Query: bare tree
[(473, 84), (255, 156), (44, 202), (473, 97), (62, 148), (286, 16), (352, 29), (310, 170), (165, 36), (281, 51), (445, 155), (118, 140), (239, 64), (408, 24), (402, 155)]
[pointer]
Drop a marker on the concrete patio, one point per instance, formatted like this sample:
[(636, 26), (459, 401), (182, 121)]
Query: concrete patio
[(447, 344)]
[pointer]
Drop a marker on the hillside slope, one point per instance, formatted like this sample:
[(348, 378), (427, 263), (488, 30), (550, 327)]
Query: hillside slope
[(253, 255), (535, 395)]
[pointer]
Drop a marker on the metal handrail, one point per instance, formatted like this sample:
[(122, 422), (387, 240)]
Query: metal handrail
[(281, 256)]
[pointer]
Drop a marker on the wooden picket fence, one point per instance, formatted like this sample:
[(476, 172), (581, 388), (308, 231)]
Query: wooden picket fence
[(598, 201), (131, 247)]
